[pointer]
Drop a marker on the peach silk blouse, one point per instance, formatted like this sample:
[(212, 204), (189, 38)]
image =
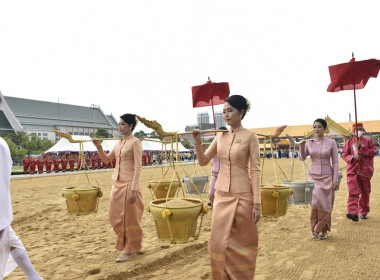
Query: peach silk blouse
[(239, 154)]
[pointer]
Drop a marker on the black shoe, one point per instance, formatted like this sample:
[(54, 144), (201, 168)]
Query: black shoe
[(353, 217), (364, 217), (209, 204)]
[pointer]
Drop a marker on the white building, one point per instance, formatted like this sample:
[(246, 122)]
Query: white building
[(219, 121), (203, 118)]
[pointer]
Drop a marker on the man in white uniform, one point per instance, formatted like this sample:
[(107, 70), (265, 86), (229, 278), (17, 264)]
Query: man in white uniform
[(12, 252)]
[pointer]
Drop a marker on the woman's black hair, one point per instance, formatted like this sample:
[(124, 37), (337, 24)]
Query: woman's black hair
[(322, 122), (129, 119), (238, 102)]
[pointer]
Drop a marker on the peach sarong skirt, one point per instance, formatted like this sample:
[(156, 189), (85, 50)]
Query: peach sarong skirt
[(233, 241), (125, 218)]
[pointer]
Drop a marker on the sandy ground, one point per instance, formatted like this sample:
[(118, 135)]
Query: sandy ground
[(65, 246)]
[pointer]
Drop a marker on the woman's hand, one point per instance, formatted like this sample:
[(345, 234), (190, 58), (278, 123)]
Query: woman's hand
[(132, 197), (211, 197), (256, 212), (335, 185), (302, 144), (95, 141), (197, 137), (357, 157), (358, 145)]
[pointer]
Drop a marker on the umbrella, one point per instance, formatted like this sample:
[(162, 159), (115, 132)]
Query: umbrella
[(210, 94), (353, 75)]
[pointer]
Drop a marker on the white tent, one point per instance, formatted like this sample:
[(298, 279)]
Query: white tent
[(146, 145), (64, 146), (156, 146)]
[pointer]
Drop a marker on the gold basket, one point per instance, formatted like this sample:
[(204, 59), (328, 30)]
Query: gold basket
[(82, 200), (275, 199), (160, 187), (180, 224)]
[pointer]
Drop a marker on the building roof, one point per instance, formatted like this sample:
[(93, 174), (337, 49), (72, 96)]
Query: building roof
[(5, 126), (35, 114), (333, 129)]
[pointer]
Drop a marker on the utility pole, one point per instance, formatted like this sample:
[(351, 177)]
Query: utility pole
[(94, 107)]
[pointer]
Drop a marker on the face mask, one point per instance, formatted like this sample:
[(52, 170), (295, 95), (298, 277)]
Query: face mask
[(360, 133)]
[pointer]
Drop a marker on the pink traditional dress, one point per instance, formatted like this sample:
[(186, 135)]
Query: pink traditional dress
[(323, 170), (233, 240)]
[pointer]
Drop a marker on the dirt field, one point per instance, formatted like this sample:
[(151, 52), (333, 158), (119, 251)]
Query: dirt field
[(64, 246)]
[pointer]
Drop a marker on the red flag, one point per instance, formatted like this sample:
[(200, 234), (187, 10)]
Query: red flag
[(353, 74), (210, 94)]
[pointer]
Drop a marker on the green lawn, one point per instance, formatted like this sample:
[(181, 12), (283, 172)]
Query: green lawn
[(17, 169)]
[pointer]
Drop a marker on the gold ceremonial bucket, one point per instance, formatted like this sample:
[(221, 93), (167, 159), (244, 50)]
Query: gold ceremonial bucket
[(160, 187), (82, 200), (274, 200), (176, 221)]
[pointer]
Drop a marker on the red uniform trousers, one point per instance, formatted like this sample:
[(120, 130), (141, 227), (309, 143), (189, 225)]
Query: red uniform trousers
[(71, 164), (48, 166), (25, 163), (32, 167), (56, 166), (40, 166), (359, 189), (64, 165)]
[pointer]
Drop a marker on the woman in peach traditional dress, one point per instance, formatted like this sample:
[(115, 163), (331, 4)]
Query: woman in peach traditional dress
[(237, 204), (126, 206), (323, 170)]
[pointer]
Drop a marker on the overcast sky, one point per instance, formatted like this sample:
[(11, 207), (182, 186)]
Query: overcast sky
[(143, 57)]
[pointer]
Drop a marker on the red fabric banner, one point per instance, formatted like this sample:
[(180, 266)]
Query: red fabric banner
[(210, 94), (347, 75)]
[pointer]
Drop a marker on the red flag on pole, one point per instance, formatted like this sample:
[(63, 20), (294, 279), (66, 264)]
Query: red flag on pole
[(352, 75), (210, 94)]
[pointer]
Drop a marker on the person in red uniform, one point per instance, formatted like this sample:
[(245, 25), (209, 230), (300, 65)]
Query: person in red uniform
[(25, 164), (149, 159), (114, 163), (71, 162), (93, 161), (79, 163), (56, 163), (64, 163), (48, 163), (87, 161), (359, 156), (99, 161), (144, 159), (40, 165), (32, 165), (104, 164)]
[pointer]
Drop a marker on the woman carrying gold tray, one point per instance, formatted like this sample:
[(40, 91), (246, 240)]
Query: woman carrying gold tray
[(126, 205)]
